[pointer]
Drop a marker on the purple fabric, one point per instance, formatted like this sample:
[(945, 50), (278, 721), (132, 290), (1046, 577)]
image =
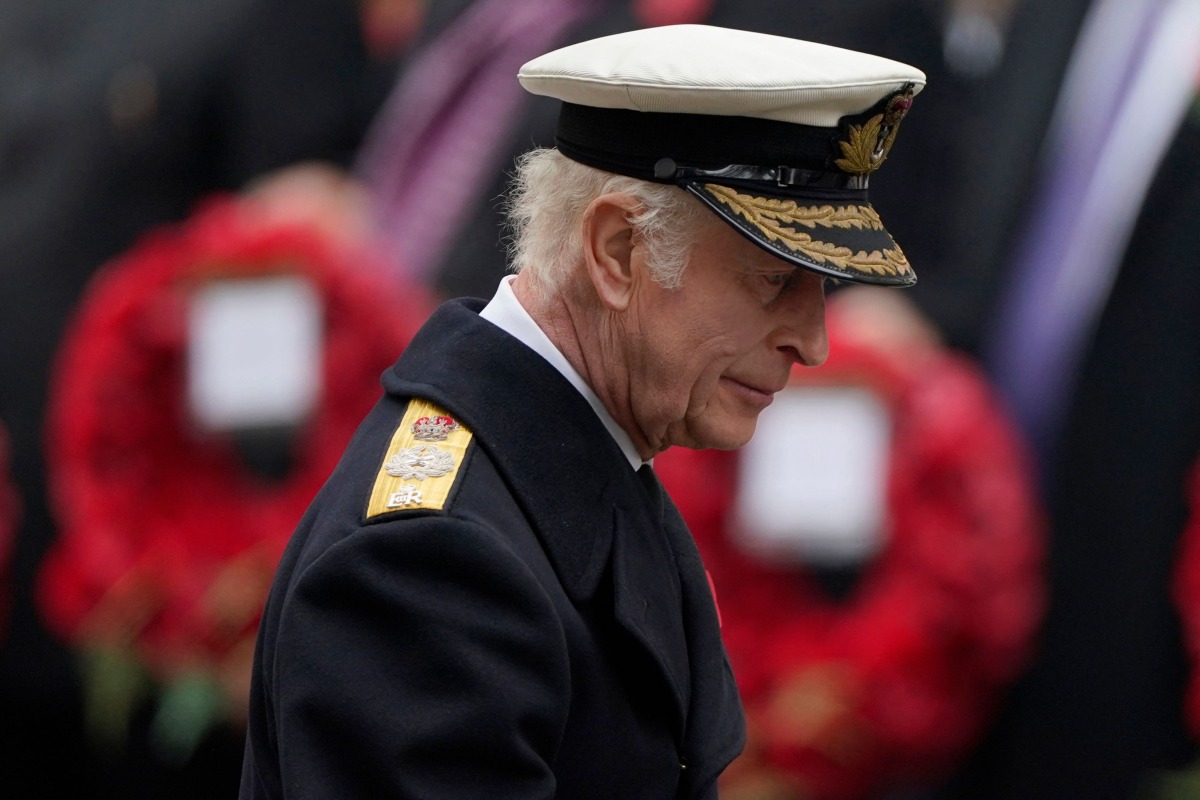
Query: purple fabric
[(1041, 330), (433, 148)]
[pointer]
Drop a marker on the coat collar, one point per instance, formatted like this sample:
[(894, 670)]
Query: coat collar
[(532, 423)]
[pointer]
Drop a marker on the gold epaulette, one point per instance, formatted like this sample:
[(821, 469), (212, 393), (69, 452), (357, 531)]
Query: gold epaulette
[(422, 461)]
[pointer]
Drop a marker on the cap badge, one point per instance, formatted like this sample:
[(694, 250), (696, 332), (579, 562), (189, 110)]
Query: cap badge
[(866, 146), (434, 429), (426, 461)]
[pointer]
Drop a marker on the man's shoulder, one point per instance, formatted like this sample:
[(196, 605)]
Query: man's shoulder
[(417, 457), (413, 469)]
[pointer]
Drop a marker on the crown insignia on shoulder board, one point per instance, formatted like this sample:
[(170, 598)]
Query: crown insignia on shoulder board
[(434, 429)]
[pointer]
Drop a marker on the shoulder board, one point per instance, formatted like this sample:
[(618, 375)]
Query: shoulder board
[(422, 461)]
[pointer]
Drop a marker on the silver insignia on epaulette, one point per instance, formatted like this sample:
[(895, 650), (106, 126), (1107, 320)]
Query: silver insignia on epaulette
[(426, 461)]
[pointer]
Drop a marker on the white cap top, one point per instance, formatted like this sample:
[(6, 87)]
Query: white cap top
[(701, 69)]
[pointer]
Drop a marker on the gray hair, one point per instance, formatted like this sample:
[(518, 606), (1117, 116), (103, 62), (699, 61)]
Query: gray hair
[(550, 192)]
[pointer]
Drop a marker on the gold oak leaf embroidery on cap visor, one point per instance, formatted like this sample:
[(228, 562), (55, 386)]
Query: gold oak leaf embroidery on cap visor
[(775, 218)]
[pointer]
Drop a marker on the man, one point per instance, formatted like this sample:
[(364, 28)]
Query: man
[(492, 597)]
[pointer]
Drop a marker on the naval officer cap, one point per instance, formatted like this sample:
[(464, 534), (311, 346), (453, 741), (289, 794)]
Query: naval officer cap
[(777, 136)]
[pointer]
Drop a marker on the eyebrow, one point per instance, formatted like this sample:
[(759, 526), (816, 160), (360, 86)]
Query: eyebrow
[(777, 268)]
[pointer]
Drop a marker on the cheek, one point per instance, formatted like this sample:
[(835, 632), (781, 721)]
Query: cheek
[(683, 376), (700, 382), (691, 346), (702, 357)]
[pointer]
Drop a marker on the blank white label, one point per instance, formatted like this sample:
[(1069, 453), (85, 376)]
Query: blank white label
[(813, 480), (254, 353)]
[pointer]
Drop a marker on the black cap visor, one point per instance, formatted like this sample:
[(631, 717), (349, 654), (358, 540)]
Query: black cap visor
[(844, 240)]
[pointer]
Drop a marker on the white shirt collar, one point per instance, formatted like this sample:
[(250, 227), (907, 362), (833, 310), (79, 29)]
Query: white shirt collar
[(506, 312)]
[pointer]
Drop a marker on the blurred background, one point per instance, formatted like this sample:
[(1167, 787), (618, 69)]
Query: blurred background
[(221, 220)]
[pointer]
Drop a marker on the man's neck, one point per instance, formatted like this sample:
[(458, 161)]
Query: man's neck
[(585, 338)]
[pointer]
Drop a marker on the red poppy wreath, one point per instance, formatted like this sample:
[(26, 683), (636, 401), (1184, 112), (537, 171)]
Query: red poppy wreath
[(887, 684), (168, 539)]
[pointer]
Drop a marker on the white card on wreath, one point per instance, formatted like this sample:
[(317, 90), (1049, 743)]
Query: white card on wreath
[(254, 353), (813, 480)]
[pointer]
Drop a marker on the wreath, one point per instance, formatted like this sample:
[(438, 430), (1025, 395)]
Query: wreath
[(169, 538), (888, 686)]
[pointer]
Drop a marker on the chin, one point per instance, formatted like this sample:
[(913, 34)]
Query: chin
[(727, 436)]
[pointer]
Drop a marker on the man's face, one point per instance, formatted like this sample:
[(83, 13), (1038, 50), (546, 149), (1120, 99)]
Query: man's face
[(706, 358)]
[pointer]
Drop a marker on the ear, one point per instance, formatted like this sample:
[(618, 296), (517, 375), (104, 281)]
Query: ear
[(608, 248)]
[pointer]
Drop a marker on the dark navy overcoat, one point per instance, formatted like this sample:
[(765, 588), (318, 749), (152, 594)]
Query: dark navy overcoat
[(546, 630)]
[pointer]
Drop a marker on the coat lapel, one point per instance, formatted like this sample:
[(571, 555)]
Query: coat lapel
[(716, 726), (647, 594)]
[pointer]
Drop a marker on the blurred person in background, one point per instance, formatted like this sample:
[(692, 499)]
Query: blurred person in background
[(115, 117), (1082, 260)]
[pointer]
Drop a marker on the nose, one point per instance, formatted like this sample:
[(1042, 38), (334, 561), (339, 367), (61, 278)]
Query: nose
[(801, 333)]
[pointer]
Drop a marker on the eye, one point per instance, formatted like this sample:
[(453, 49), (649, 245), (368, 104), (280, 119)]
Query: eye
[(774, 284)]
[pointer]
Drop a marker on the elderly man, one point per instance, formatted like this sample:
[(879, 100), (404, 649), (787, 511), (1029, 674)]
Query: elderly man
[(492, 597)]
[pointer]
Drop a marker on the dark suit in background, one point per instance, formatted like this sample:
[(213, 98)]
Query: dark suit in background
[(1101, 707), (1100, 710)]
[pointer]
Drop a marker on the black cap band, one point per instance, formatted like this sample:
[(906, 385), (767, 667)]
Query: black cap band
[(632, 142)]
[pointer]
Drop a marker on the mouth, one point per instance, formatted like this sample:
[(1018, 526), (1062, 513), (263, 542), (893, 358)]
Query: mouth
[(756, 394)]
